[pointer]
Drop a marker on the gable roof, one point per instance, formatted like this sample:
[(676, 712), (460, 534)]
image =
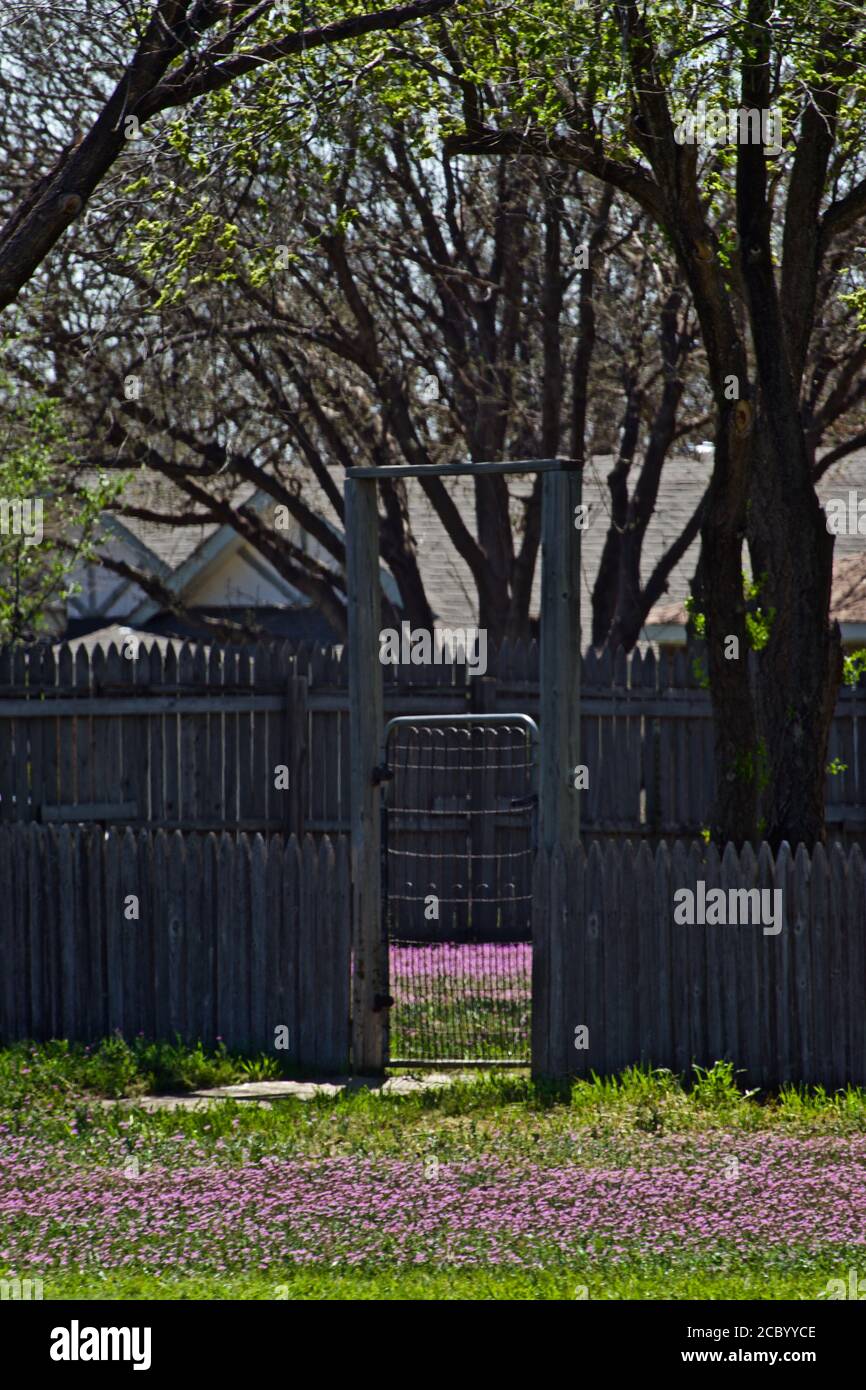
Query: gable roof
[(184, 553)]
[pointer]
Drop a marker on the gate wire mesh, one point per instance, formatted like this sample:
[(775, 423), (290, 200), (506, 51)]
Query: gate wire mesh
[(458, 843)]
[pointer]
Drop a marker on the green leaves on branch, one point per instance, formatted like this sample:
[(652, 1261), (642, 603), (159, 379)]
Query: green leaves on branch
[(45, 527), (853, 666)]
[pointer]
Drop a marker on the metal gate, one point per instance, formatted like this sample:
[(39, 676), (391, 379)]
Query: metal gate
[(459, 811)]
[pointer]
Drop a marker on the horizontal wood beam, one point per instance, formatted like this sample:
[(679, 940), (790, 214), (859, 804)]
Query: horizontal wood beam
[(103, 810), (465, 470), (593, 706), (148, 704)]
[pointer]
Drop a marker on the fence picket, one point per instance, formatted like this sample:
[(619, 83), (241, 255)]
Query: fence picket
[(290, 945), (259, 985), (193, 979), (308, 957), (208, 936), (241, 946), (713, 962), (768, 955), (326, 1058), (856, 915), (224, 929), (645, 962), (820, 966), (839, 933), (748, 995), (542, 888)]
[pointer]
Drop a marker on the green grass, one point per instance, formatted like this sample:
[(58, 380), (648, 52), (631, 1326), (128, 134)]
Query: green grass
[(636, 1281), (116, 1068), (494, 1030), (57, 1092)]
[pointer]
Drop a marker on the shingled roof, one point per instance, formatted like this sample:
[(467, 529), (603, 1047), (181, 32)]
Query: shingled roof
[(848, 599), (447, 579)]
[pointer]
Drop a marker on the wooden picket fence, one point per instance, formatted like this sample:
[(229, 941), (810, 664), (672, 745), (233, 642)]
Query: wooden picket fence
[(189, 736), (608, 956), (229, 937), (204, 937)]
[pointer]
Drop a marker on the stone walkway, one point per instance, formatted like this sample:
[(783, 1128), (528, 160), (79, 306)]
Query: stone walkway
[(264, 1093)]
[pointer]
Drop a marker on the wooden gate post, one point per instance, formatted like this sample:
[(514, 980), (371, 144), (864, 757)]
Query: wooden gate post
[(559, 673), (559, 818), (366, 719)]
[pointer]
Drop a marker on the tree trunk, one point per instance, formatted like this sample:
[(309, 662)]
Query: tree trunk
[(801, 665), (719, 591)]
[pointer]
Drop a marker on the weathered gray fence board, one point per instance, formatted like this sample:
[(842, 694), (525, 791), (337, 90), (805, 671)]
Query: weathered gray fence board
[(8, 983), (239, 979), (177, 933), (819, 938), (856, 941), (187, 727), (784, 979), (748, 963), (275, 1011), (784, 1008), (714, 955), (251, 918), (647, 963), (160, 977), (97, 986), (339, 982), (574, 993), (115, 896), (289, 945), (543, 1039), (207, 938), (144, 942), (215, 751), (189, 739), (837, 962), (307, 953), (593, 958), (322, 950)]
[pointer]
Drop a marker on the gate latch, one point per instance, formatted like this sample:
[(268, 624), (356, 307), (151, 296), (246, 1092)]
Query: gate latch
[(382, 773), (382, 1001)]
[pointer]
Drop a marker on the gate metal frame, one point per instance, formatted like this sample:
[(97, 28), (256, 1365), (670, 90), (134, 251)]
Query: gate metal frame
[(559, 710), (383, 775)]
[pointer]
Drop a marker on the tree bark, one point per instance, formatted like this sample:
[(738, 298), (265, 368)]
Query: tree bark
[(800, 668), (801, 665)]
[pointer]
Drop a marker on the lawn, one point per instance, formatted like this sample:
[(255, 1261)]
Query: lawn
[(492, 1188), (457, 1001)]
